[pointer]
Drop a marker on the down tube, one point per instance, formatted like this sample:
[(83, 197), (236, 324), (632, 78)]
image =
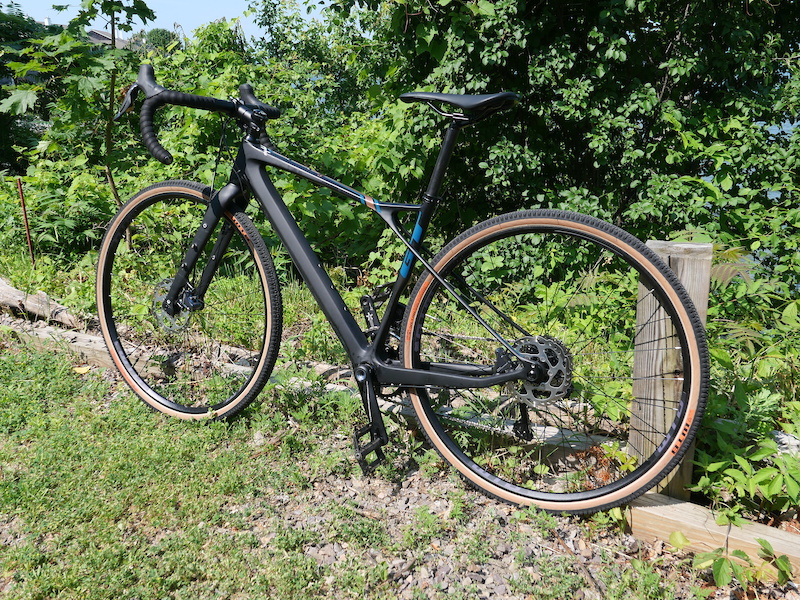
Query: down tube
[(308, 264)]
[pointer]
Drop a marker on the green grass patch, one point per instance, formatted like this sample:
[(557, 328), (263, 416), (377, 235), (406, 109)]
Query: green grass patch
[(105, 499), (102, 498)]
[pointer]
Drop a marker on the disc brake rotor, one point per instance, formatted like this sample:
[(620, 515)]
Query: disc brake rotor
[(556, 359), (171, 323)]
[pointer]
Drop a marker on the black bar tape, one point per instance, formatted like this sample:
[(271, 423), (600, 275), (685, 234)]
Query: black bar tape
[(153, 103), (149, 137)]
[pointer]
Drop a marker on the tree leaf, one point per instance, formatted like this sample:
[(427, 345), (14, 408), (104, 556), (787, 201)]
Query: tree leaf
[(722, 571), (678, 540), (19, 101), (785, 570), (767, 552), (486, 8), (792, 488)]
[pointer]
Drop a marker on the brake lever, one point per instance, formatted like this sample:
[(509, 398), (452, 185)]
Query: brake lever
[(127, 103)]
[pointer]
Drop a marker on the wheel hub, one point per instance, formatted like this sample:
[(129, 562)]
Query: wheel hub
[(171, 323), (555, 366)]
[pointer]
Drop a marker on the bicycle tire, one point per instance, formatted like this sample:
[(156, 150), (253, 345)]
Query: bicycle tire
[(620, 346), (207, 363)]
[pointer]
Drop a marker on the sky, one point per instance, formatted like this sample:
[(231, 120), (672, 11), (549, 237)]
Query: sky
[(190, 15)]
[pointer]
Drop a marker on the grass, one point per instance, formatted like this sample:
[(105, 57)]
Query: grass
[(102, 498)]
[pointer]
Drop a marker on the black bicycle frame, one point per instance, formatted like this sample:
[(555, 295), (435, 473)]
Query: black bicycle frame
[(250, 167)]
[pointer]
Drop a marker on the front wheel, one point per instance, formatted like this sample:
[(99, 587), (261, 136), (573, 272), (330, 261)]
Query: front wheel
[(211, 357), (618, 364)]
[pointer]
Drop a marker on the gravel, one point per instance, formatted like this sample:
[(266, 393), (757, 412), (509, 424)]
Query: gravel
[(477, 547)]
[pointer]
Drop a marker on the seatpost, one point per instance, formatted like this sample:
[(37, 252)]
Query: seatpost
[(448, 145)]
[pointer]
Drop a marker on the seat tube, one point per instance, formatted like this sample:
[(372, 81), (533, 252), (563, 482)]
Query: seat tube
[(431, 196), (443, 160), (423, 219)]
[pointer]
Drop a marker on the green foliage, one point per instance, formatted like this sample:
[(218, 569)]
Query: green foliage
[(305, 74), (757, 479), (780, 563), (424, 528), (18, 122), (671, 120), (641, 580), (24, 395), (754, 332), (310, 74), (555, 579), (355, 528), (16, 26), (648, 114), (636, 112), (615, 517), (101, 477), (158, 40), (725, 566)]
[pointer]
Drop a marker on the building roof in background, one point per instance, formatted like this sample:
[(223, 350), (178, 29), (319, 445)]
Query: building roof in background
[(95, 35)]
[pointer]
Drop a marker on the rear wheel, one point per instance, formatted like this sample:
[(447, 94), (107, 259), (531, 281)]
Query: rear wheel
[(621, 368), (208, 359)]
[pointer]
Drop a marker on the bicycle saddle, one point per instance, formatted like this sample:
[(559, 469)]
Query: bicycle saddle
[(469, 103)]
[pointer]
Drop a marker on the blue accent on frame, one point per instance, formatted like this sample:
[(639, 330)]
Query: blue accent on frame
[(376, 204), (407, 260)]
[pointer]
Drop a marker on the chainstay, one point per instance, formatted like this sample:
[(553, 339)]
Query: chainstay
[(394, 398)]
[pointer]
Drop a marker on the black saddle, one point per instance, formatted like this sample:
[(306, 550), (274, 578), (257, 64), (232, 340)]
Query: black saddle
[(473, 107)]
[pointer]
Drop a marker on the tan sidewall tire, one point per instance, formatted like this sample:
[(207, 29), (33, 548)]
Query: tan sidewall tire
[(184, 189), (689, 422)]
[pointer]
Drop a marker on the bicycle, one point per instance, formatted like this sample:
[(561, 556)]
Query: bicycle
[(551, 358)]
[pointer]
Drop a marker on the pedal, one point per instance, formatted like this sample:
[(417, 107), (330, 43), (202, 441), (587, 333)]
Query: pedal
[(374, 429), (362, 452)]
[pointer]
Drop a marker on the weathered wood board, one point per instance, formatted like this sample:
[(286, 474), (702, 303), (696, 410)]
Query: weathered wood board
[(655, 517)]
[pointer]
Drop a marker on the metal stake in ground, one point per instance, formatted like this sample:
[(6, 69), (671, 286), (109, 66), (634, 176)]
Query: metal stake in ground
[(25, 220)]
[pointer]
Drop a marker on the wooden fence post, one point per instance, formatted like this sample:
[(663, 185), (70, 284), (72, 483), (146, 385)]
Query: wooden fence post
[(692, 265)]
